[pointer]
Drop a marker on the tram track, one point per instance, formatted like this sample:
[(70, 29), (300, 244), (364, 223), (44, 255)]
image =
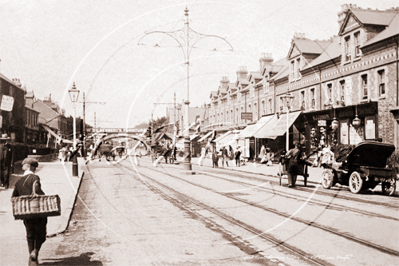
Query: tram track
[(185, 201), (332, 206), (324, 192), (285, 215)]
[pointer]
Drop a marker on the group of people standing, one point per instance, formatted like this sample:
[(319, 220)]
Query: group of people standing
[(226, 153)]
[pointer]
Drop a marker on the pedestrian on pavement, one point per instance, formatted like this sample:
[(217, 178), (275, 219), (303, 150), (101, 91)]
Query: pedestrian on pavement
[(215, 158), (203, 154), (294, 156), (281, 161), (5, 161), (237, 155), (224, 156), (36, 227)]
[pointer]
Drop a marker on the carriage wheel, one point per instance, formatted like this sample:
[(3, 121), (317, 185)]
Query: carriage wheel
[(388, 188), (327, 178), (355, 182)]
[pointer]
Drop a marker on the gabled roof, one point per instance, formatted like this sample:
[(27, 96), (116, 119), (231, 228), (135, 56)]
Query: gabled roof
[(255, 75), (307, 46), (374, 17), (231, 87), (222, 91), (283, 72), (332, 51), (46, 106), (243, 82), (9, 81), (213, 94), (368, 17), (390, 31)]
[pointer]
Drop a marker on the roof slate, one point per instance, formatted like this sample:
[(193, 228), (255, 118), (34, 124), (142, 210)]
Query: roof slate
[(374, 17), (390, 31), (311, 46), (331, 52)]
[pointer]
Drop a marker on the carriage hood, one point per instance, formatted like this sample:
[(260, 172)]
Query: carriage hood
[(374, 154)]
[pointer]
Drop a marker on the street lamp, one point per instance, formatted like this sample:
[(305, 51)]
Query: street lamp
[(186, 38), (288, 98), (74, 95)]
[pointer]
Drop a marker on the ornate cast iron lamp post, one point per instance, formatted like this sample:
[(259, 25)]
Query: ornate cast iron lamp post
[(186, 39)]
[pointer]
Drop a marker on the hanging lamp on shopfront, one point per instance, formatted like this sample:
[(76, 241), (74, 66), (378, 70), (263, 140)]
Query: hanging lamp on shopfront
[(334, 123), (356, 122)]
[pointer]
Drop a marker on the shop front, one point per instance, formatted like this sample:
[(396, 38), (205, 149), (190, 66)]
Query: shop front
[(343, 125)]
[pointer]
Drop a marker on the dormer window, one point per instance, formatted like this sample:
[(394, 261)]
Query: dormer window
[(357, 44), (347, 49), (294, 69)]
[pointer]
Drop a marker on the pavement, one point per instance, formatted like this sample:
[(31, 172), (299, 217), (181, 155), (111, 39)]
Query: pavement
[(56, 178), (262, 169)]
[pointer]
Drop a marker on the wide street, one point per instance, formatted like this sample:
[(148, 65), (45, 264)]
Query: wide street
[(129, 214)]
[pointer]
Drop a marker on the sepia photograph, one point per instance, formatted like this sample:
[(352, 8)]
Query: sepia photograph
[(199, 132)]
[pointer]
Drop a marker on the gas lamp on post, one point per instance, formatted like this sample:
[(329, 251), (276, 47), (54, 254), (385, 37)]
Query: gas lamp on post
[(74, 95), (288, 99)]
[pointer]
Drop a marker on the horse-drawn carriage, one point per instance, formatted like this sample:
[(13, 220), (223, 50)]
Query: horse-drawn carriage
[(362, 168)]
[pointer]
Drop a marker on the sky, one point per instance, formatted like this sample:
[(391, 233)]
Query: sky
[(107, 48)]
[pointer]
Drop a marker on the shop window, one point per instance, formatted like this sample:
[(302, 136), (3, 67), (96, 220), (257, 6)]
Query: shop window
[(347, 49), (312, 94), (342, 88), (357, 44), (364, 88), (263, 107), (297, 68), (381, 82), (292, 70), (329, 92), (270, 106)]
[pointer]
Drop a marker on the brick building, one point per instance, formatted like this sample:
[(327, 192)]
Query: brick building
[(343, 90)]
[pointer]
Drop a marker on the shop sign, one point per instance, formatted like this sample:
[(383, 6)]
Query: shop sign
[(344, 133), (370, 127), (322, 123), (321, 117), (246, 116), (7, 103)]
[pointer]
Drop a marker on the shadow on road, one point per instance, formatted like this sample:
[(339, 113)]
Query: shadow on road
[(83, 259)]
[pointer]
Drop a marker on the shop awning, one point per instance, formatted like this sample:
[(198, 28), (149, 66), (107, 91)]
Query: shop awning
[(245, 133), (222, 137), (280, 127), (262, 122), (204, 137), (193, 136), (230, 139), (55, 134), (266, 128)]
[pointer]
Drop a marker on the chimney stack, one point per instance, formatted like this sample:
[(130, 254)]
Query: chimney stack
[(242, 72), (265, 61), (224, 83)]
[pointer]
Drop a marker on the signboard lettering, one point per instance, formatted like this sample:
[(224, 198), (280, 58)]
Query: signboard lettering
[(322, 123), (247, 116), (321, 117), (7, 103)]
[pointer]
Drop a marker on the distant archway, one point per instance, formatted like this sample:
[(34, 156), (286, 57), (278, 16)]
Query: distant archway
[(102, 140)]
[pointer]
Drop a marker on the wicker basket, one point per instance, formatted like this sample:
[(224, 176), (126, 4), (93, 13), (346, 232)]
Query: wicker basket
[(37, 206)]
